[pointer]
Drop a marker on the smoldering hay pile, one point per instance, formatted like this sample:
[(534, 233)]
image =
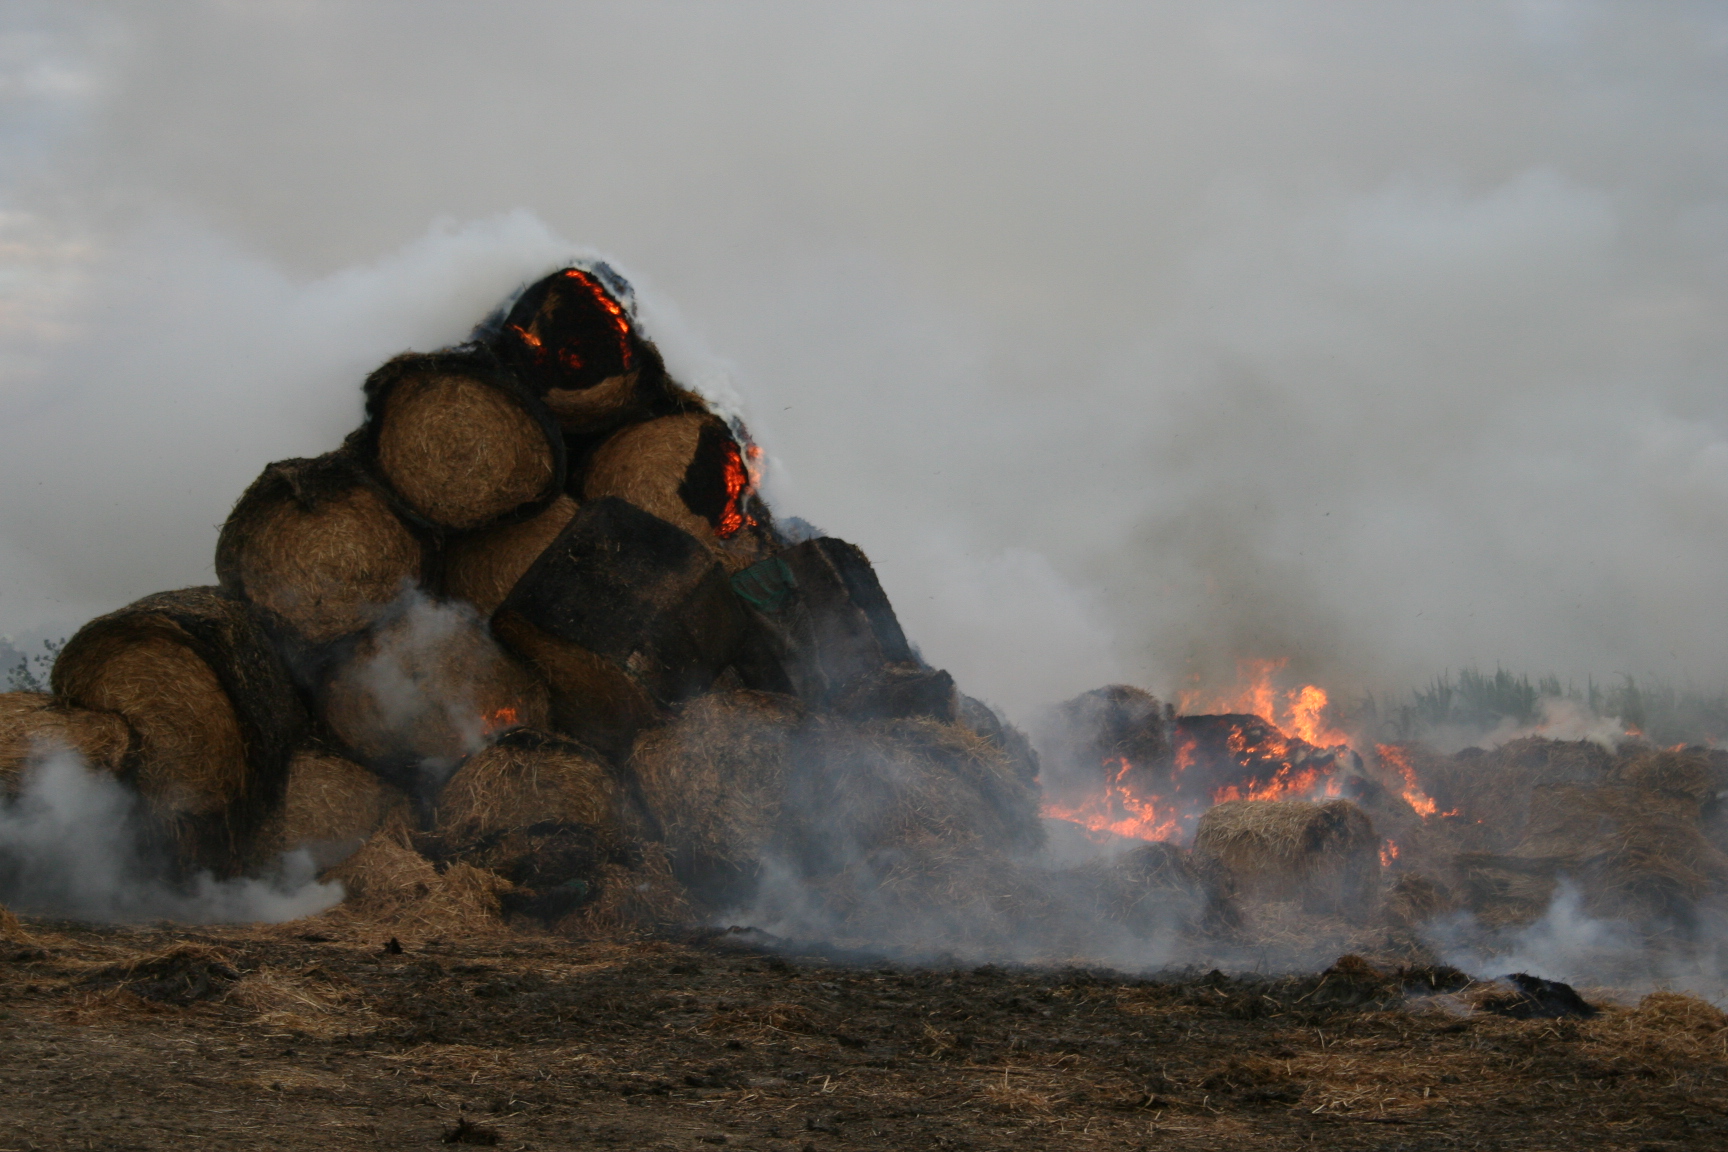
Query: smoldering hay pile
[(529, 647)]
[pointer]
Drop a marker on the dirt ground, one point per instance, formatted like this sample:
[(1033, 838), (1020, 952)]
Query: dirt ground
[(319, 1034)]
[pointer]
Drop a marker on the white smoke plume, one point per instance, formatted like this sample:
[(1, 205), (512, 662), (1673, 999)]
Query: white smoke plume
[(1129, 340), (72, 845), (1384, 341), (1568, 944)]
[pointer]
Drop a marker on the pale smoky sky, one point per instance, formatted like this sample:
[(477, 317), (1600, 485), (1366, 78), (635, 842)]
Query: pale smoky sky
[(1128, 339)]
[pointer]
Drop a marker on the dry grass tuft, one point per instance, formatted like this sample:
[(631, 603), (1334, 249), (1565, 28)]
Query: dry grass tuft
[(392, 885), (308, 1000)]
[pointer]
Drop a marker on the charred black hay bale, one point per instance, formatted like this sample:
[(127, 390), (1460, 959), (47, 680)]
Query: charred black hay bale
[(622, 615)]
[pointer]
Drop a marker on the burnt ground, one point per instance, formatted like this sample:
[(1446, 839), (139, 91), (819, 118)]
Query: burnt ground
[(312, 1035)]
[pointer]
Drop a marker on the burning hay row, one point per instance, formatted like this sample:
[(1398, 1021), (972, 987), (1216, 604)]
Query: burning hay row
[(529, 647)]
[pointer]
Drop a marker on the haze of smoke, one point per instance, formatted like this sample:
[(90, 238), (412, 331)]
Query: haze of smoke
[(71, 845), (1570, 945), (413, 685), (1384, 341)]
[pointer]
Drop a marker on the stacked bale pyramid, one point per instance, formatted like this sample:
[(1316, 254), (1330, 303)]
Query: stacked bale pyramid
[(531, 617)]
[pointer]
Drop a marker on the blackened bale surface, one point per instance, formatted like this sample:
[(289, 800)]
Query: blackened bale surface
[(690, 471), (1326, 856), (823, 630), (216, 716), (315, 543), (572, 338), (459, 441), (482, 567), (623, 615)]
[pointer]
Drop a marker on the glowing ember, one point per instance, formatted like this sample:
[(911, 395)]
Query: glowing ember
[(614, 312), (501, 718), (740, 483)]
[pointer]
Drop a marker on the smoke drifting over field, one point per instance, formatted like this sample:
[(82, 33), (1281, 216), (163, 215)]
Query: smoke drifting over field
[(72, 844), (1128, 341)]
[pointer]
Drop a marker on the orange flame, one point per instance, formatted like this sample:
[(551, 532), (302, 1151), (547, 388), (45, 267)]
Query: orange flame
[(501, 718), (1303, 709), (1118, 811), (1412, 791), (1388, 853), (1285, 758), (739, 484)]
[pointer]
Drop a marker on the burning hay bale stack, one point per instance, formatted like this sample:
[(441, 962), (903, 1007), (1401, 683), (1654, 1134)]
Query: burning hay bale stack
[(532, 626)]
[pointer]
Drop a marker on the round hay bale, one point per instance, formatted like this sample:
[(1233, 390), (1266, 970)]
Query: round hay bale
[(715, 779), (690, 471), (34, 723), (424, 688), (1327, 856), (482, 567), (547, 815), (330, 807), (317, 544), (527, 778), (459, 441), (216, 717), (572, 338), (919, 792)]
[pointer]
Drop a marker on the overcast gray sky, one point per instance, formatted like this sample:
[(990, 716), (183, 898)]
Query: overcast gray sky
[(1128, 339)]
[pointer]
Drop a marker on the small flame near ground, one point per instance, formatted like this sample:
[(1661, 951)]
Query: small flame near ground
[(1293, 755)]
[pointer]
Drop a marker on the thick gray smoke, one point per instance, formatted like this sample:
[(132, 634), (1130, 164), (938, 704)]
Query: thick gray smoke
[(1128, 339), (72, 845)]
